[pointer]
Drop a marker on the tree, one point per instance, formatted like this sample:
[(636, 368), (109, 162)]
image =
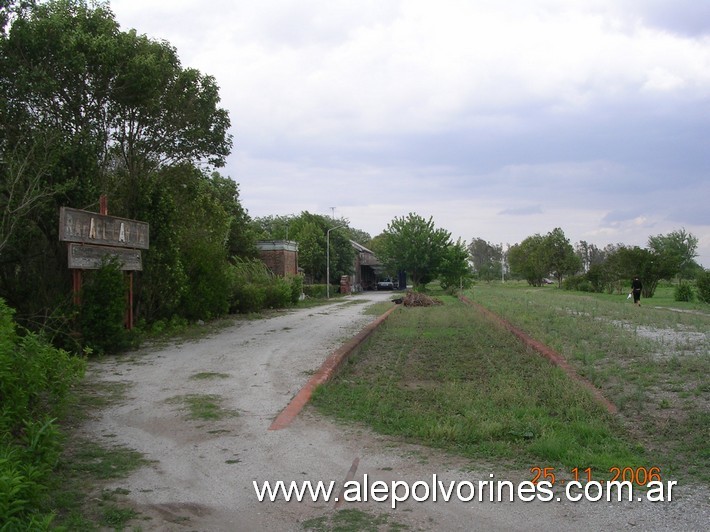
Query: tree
[(678, 249), (23, 189), (88, 109), (589, 255), (560, 257), (487, 259), (310, 231), (528, 260), (650, 267), (414, 245), (455, 270)]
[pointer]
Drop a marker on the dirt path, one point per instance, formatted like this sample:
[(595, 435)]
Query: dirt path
[(202, 477)]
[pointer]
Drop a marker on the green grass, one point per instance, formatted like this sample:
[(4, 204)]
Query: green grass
[(377, 309), (445, 377), (651, 362), (206, 407), (209, 375), (352, 521), (77, 496)]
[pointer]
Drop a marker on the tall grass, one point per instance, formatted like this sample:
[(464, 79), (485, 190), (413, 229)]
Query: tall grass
[(652, 361), (446, 377), (35, 383)]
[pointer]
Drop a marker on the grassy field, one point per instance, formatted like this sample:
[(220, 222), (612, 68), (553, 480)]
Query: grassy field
[(449, 378)]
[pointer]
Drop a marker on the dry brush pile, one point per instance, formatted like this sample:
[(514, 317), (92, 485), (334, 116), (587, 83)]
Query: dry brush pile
[(417, 299)]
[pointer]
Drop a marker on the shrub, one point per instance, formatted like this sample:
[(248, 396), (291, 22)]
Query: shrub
[(703, 284), (278, 293), (318, 291), (35, 381), (252, 287), (683, 292), (103, 307), (205, 296), (247, 297), (296, 288), (578, 282)]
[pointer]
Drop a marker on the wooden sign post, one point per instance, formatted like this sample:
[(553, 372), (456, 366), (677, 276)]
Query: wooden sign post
[(92, 236)]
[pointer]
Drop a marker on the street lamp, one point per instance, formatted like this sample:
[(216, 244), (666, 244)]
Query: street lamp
[(327, 260)]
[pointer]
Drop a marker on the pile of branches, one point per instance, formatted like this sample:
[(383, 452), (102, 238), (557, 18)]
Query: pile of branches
[(417, 299)]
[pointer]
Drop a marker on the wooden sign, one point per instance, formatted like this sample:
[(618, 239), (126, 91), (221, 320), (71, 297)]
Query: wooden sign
[(92, 228), (87, 257)]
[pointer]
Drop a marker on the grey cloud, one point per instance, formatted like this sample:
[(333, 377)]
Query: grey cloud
[(686, 17), (522, 211)]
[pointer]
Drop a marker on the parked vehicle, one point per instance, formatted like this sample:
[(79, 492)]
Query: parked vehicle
[(385, 284)]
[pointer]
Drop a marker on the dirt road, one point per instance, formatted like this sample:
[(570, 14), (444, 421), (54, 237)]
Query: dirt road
[(203, 471)]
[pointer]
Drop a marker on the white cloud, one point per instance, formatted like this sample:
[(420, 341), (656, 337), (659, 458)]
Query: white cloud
[(571, 113)]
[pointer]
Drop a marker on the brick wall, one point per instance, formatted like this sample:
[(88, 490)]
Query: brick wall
[(281, 256)]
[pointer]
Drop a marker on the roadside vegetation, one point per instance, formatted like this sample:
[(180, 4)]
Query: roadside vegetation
[(447, 377), (651, 361)]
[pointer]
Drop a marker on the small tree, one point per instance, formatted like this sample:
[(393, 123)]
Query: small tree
[(103, 305), (487, 259), (560, 256), (414, 245), (627, 262), (678, 249), (528, 260), (455, 271), (703, 283)]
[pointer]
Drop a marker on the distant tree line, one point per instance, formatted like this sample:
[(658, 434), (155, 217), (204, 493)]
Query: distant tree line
[(540, 258)]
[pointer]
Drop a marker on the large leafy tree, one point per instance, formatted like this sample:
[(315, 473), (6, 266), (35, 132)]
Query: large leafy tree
[(678, 249), (627, 262), (538, 256), (88, 109), (413, 244), (455, 270), (528, 260), (487, 259), (560, 256)]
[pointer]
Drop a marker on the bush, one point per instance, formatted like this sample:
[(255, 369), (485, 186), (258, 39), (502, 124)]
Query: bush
[(684, 292), (318, 291), (296, 288), (103, 307), (247, 297), (703, 284), (205, 296), (278, 293), (35, 381), (252, 287)]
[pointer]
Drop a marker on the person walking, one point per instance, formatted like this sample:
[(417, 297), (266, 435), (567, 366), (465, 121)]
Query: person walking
[(636, 288)]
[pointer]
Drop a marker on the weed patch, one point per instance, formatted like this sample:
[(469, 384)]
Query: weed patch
[(652, 362), (206, 407), (446, 377), (352, 521), (209, 375)]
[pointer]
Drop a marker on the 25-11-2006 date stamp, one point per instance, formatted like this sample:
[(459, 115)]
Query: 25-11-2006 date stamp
[(622, 481), (640, 476)]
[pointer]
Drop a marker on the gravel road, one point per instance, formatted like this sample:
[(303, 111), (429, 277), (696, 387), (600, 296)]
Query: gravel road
[(203, 471)]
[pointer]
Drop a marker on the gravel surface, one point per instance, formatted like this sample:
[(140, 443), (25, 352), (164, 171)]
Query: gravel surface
[(203, 471)]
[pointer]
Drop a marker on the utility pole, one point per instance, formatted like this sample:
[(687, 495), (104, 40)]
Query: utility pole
[(327, 260)]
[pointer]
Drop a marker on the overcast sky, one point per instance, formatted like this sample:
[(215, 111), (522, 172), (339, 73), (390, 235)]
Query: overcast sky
[(500, 119)]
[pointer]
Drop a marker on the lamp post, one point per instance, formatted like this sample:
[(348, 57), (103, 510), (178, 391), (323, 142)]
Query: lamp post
[(327, 260)]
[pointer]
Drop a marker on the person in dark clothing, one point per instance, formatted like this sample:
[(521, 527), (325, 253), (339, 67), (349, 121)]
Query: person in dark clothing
[(636, 287)]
